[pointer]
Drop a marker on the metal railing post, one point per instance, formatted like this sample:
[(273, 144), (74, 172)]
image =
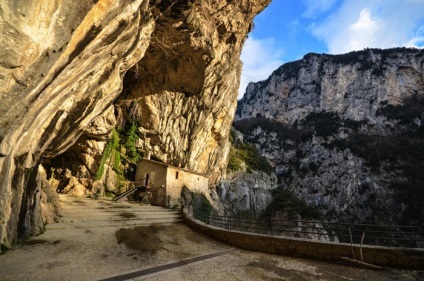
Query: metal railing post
[(338, 232), (270, 225)]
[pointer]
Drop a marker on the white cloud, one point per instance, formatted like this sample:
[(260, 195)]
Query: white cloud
[(315, 7), (260, 58), (363, 32), (358, 24), (418, 39)]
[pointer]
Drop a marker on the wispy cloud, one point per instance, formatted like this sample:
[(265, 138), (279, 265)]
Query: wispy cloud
[(358, 24), (418, 39), (314, 8), (260, 58)]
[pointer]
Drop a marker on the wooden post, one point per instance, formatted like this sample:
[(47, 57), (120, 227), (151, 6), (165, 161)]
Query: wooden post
[(351, 244), (360, 249)]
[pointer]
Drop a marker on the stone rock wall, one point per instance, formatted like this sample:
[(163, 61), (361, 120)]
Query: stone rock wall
[(186, 84), (62, 65), (247, 192), (344, 133), (353, 85)]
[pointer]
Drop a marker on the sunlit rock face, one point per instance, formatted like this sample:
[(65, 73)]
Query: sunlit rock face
[(344, 133), (353, 85), (187, 82), (62, 65)]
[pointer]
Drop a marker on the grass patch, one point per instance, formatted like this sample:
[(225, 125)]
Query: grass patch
[(142, 238)]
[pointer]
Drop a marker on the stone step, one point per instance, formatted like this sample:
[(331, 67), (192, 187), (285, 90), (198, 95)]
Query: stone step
[(84, 213), (120, 223), (117, 217)]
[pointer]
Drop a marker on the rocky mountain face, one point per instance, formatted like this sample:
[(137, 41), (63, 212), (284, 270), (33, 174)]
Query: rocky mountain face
[(64, 63), (344, 133)]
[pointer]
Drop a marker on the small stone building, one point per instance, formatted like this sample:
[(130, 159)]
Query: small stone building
[(166, 181)]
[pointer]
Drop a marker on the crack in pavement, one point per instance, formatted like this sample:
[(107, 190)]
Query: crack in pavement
[(153, 270)]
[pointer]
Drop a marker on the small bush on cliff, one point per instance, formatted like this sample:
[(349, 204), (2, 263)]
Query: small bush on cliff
[(325, 123), (247, 155), (120, 148), (129, 137), (413, 107), (286, 201), (110, 150)]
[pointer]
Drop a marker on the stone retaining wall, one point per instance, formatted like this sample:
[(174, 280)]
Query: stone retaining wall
[(305, 248)]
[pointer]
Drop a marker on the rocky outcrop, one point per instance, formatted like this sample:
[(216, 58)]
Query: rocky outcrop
[(62, 64), (354, 85), (344, 133), (63, 67), (247, 192), (186, 84)]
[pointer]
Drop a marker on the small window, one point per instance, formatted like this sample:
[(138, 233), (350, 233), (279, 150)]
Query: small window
[(176, 175), (198, 179)]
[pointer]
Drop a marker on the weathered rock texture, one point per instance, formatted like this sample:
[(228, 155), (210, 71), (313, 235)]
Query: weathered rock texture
[(62, 65), (344, 133), (186, 82), (247, 192), (353, 85)]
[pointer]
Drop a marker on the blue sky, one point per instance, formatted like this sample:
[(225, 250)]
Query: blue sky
[(288, 29)]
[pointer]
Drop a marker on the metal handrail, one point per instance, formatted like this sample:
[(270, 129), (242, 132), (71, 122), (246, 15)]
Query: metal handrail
[(383, 235)]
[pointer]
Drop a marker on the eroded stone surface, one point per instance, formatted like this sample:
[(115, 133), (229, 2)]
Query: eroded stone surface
[(346, 95), (62, 65), (72, 69)]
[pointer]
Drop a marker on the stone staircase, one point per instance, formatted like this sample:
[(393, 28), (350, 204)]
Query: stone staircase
[(88, 213), (125, 194)]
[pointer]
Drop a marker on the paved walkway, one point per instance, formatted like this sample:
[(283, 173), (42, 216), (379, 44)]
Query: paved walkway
[(101, 239)]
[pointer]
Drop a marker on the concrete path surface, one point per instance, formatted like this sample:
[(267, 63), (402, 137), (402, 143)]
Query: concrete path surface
[(102, 239)]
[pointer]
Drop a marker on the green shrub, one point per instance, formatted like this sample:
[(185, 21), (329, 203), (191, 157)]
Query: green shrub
[(110, 149), (412, 107), (325, 123), (123, 139), (234, 163), (249, 155), (285, 200), (129, 136)]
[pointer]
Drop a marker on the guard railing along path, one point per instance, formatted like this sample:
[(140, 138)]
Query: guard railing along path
[(369, 234)]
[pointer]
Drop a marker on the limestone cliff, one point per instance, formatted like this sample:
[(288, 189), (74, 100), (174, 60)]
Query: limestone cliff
[(354, 86), (62, 64), (344, 133)]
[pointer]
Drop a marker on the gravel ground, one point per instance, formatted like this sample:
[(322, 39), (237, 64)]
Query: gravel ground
[(96, 239)]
